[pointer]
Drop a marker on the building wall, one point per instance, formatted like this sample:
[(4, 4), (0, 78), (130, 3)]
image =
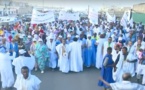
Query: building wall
[(9, 10), (25, 10), (139, 17), (139, 8), (5, 2), (118, 12)]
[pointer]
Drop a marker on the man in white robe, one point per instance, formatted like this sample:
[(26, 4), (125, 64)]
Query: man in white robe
[(99, 54), (26, 81), (116, 52), (7, 77), (51, 44), (130, 47), (76, 62), (78, 28), (63, 52), (107, 44), (116, 56), (137, 46), (141, 71), (97, 29), (22, 60), (143, 80), (126, 64), (139, 41), (125, 84), (140, 65)]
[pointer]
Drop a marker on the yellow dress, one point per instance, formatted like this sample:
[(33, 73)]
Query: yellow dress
[(1, 32)]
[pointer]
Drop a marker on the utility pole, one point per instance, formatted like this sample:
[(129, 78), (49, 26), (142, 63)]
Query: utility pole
[(43, 5), (88, 9), (88, 23)]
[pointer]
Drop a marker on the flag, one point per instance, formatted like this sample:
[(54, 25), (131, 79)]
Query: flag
[(127, 18), (131, 19), (61, 15), (93, 16), (110, 18)]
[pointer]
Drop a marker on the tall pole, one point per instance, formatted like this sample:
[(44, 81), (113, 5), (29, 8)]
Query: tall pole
[(88, 9), (43, 5), (88, 18), (130, 14)]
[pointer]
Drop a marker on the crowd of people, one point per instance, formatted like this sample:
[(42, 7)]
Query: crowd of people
[(70, 46)]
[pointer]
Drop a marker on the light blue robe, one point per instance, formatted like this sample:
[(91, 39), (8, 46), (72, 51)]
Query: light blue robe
[(52, 54), (89, 53), (83, 42), (69, 41), (14, 47), (94, 51), (41, 53)]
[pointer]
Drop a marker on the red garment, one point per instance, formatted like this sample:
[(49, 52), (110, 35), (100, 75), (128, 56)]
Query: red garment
[(10, 38), (120, 44), (34, 25), (16, 26), (30, 29), (41, 31)]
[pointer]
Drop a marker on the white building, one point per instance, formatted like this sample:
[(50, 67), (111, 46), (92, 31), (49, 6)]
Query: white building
[(8, 10), (5, 2)]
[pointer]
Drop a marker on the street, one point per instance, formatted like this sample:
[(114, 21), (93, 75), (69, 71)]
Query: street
[(56, 80)]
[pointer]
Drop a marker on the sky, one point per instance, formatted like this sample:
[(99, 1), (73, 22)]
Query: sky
[(82, 4)]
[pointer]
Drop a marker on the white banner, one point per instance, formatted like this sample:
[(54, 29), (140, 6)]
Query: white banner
[(61, 15), (68, 16), (7, 19), (110, 18), (42, 17), (93, 16), (126, 19)]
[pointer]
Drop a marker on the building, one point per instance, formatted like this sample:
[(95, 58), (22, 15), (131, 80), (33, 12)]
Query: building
[(8, 7), (139, 8), (139, 13), (25, 10), (8, 10), (5, 2), (118, 11)]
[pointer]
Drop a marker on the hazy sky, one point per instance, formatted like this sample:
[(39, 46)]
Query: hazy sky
[(82, 4)]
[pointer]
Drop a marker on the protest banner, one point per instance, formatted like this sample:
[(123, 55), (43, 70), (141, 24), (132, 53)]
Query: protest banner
[(93, 16), (127, 19), (68, 16), (110, 18), (42, 17)]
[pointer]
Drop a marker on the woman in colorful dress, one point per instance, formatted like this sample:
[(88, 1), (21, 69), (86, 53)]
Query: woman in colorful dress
[(41, 54)]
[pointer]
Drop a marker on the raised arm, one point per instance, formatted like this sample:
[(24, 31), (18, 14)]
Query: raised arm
[(106, 83)]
